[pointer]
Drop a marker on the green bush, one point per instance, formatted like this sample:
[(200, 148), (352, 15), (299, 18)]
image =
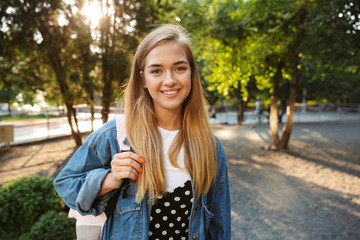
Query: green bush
[(23, 201), (52, 225)]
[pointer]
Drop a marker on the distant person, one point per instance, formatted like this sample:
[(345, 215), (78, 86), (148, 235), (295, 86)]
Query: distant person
[(213, 112), (258, 106), (174, 183)]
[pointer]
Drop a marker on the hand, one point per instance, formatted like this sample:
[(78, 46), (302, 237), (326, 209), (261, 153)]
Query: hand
[(124, 165)]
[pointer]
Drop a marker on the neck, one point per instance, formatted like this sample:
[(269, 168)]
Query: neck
[(169, 120)]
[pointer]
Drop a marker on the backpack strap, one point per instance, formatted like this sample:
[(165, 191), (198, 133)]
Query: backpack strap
[(124, 147), (121, 133)]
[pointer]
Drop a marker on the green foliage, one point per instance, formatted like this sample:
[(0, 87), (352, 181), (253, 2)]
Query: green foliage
[(17, 75), (24, 200), (330, 56), (53, 225), (25, 236), (226, 48), (234, 40)]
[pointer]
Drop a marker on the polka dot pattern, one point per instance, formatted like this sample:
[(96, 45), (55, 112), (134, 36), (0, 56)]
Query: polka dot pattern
[(171, 213)]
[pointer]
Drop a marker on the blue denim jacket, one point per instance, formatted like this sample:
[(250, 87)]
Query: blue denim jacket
[(80, 180)]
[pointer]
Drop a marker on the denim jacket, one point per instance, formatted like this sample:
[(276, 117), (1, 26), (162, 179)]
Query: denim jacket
[(80, 180)]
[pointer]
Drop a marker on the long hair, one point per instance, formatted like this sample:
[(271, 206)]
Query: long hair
[(195, 135)]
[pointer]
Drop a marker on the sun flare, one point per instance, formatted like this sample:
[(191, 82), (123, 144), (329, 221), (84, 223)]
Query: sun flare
[(92, 11)]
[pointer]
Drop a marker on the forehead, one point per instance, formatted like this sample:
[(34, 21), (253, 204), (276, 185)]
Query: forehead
[(166, 53)]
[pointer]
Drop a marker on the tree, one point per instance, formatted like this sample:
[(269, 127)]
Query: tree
[(267, 40), (34, 25), (331, 58), (295, 35), (86, 59), (17, 74), (119, 30), (223, 38)]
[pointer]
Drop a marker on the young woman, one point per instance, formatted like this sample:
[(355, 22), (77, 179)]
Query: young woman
[(174, 182)]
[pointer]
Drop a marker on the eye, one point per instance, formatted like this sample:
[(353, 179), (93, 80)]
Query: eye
[(155, 71), (180, 69)]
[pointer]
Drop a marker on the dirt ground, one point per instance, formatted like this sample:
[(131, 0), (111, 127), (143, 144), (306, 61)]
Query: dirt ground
[(310, 191)]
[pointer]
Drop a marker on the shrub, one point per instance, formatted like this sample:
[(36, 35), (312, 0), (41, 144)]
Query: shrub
[(24, 200), (52, 225)]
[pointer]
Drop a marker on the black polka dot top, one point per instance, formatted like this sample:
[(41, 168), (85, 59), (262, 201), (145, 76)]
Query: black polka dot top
[(171, 214)]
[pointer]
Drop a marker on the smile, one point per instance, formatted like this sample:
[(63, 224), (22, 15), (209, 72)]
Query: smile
[(170, 92)]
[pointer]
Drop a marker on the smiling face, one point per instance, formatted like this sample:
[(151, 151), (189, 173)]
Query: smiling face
[(167, 77)]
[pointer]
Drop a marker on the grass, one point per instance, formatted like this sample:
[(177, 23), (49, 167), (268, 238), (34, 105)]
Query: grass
[(29, 117)]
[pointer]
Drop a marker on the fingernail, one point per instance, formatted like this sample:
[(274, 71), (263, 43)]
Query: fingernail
[(142, 160), (137, 177), (141, 170)]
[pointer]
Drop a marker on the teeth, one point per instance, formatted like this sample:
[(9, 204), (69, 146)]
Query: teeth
[(170, 92)]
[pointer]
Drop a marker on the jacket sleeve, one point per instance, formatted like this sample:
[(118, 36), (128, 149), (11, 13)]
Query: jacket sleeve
[(79, 182), (220, 225)]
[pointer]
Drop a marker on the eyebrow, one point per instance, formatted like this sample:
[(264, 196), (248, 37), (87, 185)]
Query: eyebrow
[(159, 65)]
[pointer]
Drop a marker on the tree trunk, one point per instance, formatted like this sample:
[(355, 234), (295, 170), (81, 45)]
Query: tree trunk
[(241, 110), (66, 94), (76, 135), (106, 96), (286, 132), (284, 101), (86, 66), (90, 100), (241, 105), (294, 56), (92, 111), (273, 122), (75, 120), (106, 69)]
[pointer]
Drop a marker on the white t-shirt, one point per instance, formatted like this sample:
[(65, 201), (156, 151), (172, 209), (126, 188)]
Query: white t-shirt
[(175, 176)]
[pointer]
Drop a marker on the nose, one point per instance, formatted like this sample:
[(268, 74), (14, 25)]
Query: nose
[(169, 79)]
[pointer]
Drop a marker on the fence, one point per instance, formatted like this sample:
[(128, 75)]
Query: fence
[(31, 130), (303, 113)]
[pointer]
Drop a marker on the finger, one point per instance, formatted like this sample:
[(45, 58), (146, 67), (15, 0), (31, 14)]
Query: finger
[(124, 169), (117, 176), (127, 162), (134, 156)]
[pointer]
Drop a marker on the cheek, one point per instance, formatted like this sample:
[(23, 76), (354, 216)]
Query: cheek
[(151, 86), (147, 82)]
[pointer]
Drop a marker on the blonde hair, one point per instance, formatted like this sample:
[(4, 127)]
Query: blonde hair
[(142, 130)]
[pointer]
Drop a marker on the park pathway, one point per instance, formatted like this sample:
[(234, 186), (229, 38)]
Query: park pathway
[(311, 191)]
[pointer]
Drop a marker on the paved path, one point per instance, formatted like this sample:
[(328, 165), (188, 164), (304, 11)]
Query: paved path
[(27, 131), (311, 191)]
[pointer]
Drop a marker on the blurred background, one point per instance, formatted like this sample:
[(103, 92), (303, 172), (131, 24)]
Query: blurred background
[(66, 61)]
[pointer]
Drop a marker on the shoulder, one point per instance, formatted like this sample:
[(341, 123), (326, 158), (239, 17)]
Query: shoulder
[(103, 142)]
